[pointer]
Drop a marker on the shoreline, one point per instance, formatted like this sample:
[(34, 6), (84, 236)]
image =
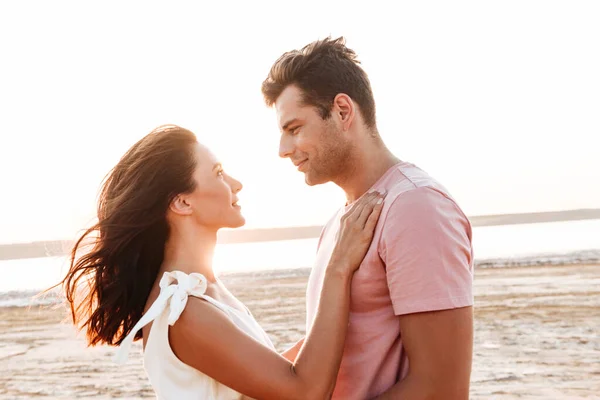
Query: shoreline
[(51, 248), (28, 297)]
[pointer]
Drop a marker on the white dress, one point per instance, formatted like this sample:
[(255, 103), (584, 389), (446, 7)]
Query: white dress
[(170, 377)]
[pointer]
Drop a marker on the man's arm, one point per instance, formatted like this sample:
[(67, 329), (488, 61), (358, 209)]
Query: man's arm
[(426, 247), (439, 345), (291, 353)]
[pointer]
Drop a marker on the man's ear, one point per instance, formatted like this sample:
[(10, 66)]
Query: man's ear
[(344, 110), (180, 205)]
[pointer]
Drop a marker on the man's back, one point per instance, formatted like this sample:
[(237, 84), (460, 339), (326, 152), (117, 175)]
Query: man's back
[(420, 260)]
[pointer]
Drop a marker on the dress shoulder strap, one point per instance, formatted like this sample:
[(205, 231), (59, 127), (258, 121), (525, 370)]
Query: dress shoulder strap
[(175, 287)]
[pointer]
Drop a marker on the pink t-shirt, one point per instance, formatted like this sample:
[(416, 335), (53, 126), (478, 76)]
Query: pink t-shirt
[(421, 259)]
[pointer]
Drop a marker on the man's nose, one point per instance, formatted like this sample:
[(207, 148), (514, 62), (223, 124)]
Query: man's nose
[(285, 147)]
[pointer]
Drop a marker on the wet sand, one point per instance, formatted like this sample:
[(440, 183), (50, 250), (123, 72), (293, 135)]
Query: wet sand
[(537, 336)]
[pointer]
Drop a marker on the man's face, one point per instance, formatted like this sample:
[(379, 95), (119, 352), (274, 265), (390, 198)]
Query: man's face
[(317, 147)]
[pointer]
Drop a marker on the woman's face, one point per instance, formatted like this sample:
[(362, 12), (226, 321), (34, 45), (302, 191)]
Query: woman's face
[(213, 203)]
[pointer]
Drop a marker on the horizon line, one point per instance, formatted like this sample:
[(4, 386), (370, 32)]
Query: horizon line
[(49, 248)]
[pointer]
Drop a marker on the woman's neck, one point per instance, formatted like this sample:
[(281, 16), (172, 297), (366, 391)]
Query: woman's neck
[(190, 249)]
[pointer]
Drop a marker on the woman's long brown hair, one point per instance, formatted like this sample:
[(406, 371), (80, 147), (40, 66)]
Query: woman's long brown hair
[(108, 284)]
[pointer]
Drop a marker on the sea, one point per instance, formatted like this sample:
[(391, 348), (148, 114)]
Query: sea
[(552, 243)]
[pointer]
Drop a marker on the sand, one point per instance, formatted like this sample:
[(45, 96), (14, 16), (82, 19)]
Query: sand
[(536, 337)]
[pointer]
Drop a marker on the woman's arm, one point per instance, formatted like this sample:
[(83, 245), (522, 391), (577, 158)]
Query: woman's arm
[(206, 339)]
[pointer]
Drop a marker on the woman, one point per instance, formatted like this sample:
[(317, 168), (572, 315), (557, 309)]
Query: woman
[(148, 276)]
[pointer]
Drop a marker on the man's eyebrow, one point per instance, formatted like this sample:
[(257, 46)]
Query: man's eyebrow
[(287, 124), (217, 165)]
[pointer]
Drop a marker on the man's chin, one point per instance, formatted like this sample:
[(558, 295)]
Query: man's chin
[(312, 180)]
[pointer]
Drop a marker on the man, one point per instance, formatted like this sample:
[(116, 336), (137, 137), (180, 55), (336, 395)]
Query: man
[(411, 320)]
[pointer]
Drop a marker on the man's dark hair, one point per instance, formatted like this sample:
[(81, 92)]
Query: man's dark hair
[(322, 70)]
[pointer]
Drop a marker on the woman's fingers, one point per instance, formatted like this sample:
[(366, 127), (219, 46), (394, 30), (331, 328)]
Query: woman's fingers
[(373, 217), (368, 207)]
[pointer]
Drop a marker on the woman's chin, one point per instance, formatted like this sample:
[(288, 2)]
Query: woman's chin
[(238, 222)]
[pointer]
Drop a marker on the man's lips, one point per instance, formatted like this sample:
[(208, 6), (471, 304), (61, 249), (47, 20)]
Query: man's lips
[(300, 163)]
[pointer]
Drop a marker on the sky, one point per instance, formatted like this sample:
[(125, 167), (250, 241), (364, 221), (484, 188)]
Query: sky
[(500, 101)]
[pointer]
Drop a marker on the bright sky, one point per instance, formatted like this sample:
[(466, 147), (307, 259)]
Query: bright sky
[(498, 100)]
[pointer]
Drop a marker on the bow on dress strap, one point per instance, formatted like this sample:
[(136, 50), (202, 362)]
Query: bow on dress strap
[(175, 287)]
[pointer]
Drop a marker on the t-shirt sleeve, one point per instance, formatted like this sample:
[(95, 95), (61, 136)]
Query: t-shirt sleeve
[(426, 248)]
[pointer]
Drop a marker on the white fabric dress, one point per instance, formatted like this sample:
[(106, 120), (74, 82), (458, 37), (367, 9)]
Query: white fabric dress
[(170, 377)]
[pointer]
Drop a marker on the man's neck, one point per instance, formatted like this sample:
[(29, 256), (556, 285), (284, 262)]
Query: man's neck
[(368, 164)]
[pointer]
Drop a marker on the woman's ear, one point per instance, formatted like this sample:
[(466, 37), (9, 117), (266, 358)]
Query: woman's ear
[(180, 205)]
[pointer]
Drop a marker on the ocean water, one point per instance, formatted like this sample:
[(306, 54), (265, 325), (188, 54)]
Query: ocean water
[(556, 242)]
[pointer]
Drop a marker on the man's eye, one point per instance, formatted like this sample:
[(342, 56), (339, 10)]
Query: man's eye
[(220, 172)]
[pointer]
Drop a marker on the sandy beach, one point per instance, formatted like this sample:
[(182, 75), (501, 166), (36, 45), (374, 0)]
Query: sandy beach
[(536, 337)]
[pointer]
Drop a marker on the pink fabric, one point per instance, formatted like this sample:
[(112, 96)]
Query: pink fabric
[(421, 259)]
